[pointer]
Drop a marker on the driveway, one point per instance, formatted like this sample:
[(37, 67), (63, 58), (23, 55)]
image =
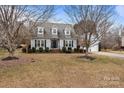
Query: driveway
[(114, 55)]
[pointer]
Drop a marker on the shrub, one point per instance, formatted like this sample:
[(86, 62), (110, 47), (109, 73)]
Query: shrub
[(76, 50), (69, 50), (29, 50), (33, 49), (78, 47), (81, 50), (64, 49), (47, 49), (24, 50), (84, 51), (40, 49)]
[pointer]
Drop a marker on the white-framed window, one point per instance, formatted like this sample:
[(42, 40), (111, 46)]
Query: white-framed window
[(38, 43), (42, 43), (54, 31), (68, 43), (40, 30), (67, 31)]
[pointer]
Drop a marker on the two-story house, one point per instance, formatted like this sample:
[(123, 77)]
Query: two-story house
[(54, 36)]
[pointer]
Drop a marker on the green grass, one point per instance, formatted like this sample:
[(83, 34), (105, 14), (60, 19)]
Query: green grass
[(62, 70)]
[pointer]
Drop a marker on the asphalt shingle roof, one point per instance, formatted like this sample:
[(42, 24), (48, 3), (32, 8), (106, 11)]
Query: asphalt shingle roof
[(60, 29)]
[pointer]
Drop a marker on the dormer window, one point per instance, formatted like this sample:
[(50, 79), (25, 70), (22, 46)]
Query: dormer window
[(40, 30), (54, 31), (67, 32)]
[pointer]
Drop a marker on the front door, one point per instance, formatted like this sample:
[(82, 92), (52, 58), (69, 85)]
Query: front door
[(54, 44)]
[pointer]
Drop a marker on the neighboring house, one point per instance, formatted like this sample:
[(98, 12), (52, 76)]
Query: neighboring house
[(122, 40), (56, 36), (122, 44)]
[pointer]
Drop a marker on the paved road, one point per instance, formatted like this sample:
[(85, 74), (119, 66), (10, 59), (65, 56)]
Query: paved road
[(110, 54)]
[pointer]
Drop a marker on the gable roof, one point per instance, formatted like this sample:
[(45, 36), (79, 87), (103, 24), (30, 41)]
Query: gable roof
[(60, 29)]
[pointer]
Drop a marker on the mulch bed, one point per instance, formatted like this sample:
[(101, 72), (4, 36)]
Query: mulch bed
[(10, 58), (8, 61), (87, 58)]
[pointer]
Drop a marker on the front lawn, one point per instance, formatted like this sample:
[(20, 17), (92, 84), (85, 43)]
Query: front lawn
[(118, 52), (114, 51), (61, 70)]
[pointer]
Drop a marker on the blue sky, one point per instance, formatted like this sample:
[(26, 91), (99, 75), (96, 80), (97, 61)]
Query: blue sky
[(120, 14), (61, 17)]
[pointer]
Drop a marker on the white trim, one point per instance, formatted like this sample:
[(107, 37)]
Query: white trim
[(67, 31), (68, 43), (54, 29), (40, 41), (41, 29)]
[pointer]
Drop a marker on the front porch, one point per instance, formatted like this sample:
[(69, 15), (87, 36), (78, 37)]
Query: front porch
[(54, 44)]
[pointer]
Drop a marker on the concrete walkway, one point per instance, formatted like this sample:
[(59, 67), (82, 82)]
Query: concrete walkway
[(114, 55)]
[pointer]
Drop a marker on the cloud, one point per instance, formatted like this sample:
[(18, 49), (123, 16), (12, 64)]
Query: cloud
[(120, 10)]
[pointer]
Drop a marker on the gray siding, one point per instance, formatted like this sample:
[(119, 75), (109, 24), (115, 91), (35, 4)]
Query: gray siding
[(32, 43), (74, 44), (61, 44), (48, 43)]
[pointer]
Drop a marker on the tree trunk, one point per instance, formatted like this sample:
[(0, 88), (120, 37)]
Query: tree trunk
[(86, 53), (26, 49), (27, 45), (11, 53)]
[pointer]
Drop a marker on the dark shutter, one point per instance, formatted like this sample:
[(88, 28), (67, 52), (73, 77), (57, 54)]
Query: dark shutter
[(45, 43), (35, 43), (72, 43), (64, 43)]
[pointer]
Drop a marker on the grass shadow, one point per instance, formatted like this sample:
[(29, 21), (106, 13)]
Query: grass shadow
[(10, 58), (87, 58)]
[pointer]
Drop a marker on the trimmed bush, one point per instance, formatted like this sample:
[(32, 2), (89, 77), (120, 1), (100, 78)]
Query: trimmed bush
[(76, 50), (47, 49), (33, 49), (81, 50), (24, 50), (40, 49), (69, 50), (78, 47), (64, 49), (29, 50)]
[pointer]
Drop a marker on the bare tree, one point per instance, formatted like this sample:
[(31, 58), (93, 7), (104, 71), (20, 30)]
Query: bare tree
[(13, 18), (38, 15), (90, 22), (112, 39)]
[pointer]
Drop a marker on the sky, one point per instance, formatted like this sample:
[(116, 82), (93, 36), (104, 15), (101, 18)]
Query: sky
[(61, 17), (120, 14)]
